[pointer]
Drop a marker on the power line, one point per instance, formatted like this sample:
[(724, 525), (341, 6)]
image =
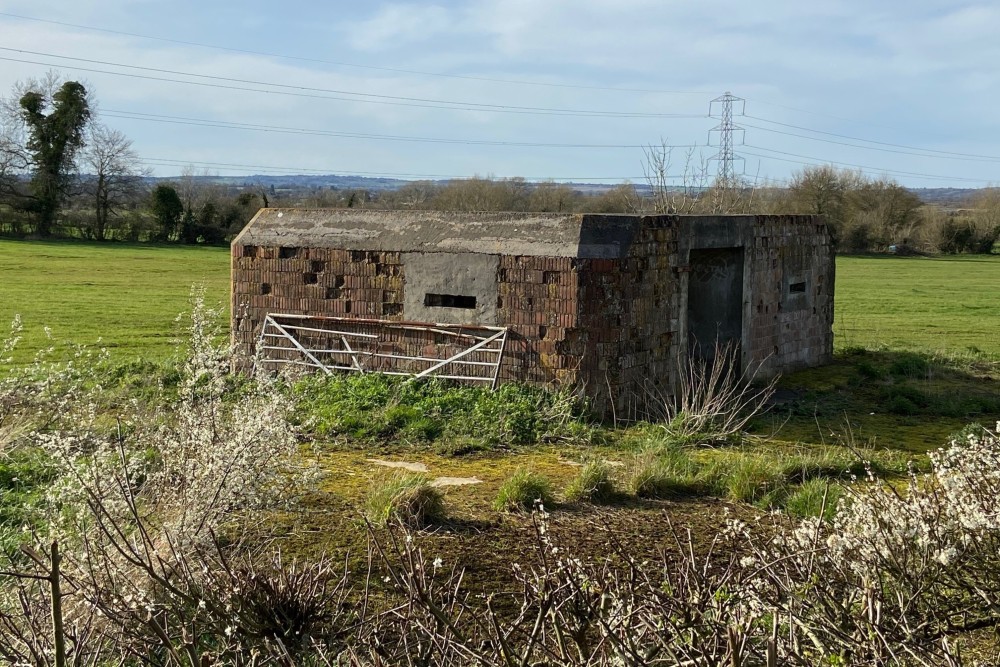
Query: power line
[(203, 122), (873, 141), (229, 166), (347, 64), (368, 98), (863, 168), (874, 148), (824, 115)]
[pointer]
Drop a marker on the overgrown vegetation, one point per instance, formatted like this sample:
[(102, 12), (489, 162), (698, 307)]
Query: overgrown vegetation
[(769, 593), (664, 473), (195, 475), (405, 498), (908, 400), (714, 401), (523, 491), (771, 477), (455, 419), (594, 483)]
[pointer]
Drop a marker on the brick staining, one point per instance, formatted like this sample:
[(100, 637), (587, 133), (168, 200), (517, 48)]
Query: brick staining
[(592, 301)]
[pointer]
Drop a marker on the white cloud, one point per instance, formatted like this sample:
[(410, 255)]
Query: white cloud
[(918, 73), (401, 25)]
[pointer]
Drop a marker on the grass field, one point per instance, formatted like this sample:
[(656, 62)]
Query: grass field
[(934, 304), (129, 295), (126, 295)]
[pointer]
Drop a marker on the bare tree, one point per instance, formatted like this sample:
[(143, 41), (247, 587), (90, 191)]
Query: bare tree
[(117, 175), (668, 198), (551, 197)]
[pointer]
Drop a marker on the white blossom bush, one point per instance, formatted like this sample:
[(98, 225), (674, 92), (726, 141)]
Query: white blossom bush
[(143, 492), (39, 394), (222, 448), (899, 575), (151, 500)]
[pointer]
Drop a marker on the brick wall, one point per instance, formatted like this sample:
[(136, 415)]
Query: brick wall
[(630, 318), (614, 326), (318, 281), (790, 330), (538, 300)]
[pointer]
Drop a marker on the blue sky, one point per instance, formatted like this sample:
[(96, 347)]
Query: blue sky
[(909, 89)]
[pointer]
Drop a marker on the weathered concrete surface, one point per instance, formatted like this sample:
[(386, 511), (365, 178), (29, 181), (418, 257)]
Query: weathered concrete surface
[(405, 465), (455, 481), (452, 273), (534, 234)]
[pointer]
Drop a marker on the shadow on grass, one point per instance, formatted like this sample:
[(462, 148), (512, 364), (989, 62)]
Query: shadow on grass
[(904, 399)]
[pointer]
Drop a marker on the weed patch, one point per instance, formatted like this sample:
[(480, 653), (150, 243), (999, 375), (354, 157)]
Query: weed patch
[(404, 497), (662, 476), (909, 365), (521, 491), (593, 484), (456, 419), (753, 479)]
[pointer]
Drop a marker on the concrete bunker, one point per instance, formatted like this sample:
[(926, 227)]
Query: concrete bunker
[(609, 303)]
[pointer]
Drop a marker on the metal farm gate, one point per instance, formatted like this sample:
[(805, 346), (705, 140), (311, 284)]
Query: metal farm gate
[(448, 351)]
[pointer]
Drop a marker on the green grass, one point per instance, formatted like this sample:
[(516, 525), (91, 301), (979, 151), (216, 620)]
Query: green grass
[(593, 484), (24, 475), (664, 473), (905, 400), (918, 303), (126, 295), (767, 474), (815, 497), (404, 497), (129, 294), (522, 490)]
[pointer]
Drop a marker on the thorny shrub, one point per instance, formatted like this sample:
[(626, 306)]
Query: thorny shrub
[(140, 495), (195, 462), (40, 393), (898, 576)]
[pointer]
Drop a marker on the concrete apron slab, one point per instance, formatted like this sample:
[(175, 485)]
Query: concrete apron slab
[(455, 481), (405, 465), (613, 463), (420, 467)]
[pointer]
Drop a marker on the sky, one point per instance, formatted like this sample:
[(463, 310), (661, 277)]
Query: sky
[(568, 90)]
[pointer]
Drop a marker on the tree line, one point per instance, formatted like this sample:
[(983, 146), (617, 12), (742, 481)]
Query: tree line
[(64, 173)]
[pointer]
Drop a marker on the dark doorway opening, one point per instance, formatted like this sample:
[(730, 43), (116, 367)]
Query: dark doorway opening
[(715, 302)]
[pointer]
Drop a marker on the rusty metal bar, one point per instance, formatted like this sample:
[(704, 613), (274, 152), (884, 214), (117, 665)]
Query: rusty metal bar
[(460, 355), (484, 337)]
